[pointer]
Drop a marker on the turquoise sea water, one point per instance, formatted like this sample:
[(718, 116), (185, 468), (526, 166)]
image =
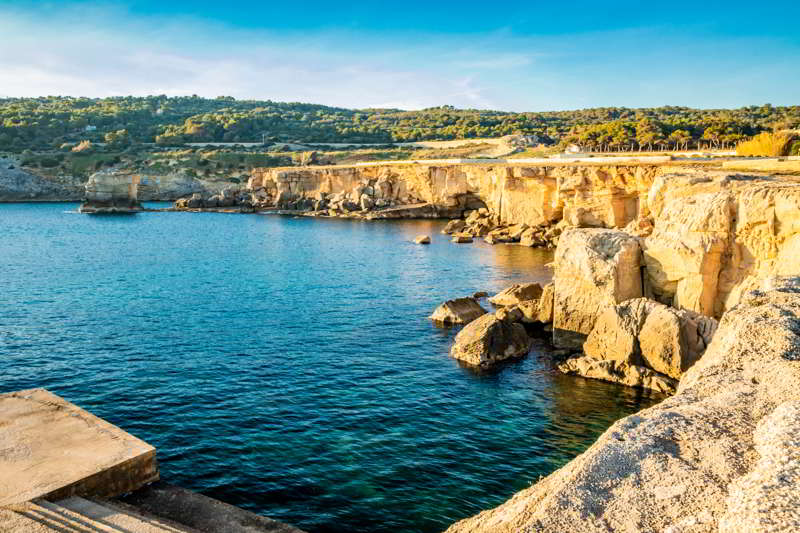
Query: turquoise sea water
[(286, 365)]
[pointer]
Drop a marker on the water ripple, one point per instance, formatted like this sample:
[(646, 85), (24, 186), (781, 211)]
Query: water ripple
[(285, 365)]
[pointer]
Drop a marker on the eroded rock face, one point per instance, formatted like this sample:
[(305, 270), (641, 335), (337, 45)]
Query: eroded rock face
[(594, 269), (597, 195), (458, 311), (718, 456), (110, 191), (488, 340), (717, 235)]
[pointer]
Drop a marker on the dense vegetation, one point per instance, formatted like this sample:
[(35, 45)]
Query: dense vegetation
[(52, 123)]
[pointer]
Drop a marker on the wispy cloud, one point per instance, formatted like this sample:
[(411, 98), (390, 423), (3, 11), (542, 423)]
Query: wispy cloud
[(101, 50)]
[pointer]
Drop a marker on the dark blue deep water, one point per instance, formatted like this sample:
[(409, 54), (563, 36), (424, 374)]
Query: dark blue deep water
[(286, 365)]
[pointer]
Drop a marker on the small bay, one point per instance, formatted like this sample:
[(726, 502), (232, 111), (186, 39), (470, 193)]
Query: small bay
[(286, 365)]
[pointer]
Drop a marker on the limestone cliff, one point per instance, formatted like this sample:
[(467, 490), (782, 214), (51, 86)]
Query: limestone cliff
[(721, 455), (585, 195), (719, 235), (17, 185), (707, 236)]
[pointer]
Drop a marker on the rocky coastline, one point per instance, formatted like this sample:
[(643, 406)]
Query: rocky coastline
[(676, 279), (698, 296), (720, 455)]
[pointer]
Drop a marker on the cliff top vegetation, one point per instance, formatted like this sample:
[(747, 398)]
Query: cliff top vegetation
[(47, 123)]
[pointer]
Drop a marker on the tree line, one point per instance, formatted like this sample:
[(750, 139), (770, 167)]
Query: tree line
[(47, 123)]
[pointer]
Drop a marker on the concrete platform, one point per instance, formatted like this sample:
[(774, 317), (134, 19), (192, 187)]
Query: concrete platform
[(50, 448)]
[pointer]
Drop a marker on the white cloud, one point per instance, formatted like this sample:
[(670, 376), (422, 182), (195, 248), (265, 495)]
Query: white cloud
[(93, 55)]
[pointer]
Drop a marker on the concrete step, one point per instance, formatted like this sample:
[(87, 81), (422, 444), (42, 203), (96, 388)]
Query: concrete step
[(79, 515), (52, 517), (123, 519)]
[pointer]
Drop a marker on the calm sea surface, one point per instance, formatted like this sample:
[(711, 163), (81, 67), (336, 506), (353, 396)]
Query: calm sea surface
[(286, 365)]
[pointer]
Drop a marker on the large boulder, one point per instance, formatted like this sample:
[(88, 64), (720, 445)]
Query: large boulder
[(721, 455), (594, 269), (458, 311), (517, 293), (488, 340), (647, 333)]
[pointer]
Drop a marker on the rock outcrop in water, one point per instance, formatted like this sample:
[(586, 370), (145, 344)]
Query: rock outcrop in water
[(488, 340), (642, 343), (457, 311), (110, 192), (718, 456)]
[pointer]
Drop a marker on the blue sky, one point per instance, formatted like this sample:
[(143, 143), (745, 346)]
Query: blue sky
[(520, 56)]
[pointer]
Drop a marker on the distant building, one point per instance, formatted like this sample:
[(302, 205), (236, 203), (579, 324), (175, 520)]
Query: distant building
[(573, 149)]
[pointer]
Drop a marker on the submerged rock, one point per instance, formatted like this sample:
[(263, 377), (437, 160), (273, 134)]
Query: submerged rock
[(422, 239), (488, 340), (458, 311)]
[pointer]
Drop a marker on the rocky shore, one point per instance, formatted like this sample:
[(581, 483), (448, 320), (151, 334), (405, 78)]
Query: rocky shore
[(720, 455), (18, 185), (679, 280), (698, 296)]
